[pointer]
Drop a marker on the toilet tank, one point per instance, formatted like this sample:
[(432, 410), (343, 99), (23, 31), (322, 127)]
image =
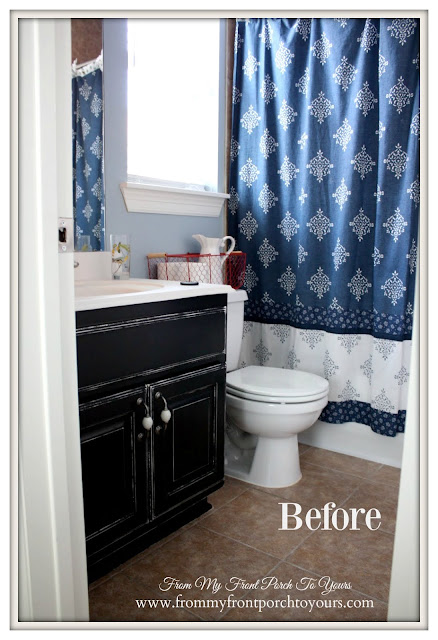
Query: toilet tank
[(236, 300)]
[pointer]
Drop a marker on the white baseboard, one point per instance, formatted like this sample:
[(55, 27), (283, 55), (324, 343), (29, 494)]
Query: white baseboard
[(355, 439)]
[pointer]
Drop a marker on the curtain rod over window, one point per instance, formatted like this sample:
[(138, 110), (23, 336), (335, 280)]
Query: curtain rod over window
[(87, 67)]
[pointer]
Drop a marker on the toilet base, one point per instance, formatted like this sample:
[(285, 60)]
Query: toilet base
[(275, 464)]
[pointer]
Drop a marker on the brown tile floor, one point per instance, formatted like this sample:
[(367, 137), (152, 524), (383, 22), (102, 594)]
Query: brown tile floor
[(240, 537)]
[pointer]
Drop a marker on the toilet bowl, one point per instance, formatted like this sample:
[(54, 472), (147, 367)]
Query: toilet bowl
[(266, 409)]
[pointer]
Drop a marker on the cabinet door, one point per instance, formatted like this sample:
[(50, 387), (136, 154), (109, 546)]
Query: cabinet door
[(115, 451), (188, 450)]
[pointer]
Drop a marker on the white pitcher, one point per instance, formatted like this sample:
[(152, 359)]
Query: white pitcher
[(213, 246)]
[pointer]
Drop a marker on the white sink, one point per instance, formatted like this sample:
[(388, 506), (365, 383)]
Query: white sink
[(93, 288), (99, 294)]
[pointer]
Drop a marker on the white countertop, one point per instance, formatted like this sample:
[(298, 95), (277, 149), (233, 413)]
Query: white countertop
[(101, 294)]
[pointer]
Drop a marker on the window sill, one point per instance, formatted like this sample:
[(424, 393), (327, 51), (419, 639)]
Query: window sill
[(145, 198)]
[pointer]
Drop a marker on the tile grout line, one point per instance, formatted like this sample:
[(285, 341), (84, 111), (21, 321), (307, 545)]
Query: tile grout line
[(175, 534), (271, 571), (368, 478), (380, 464), (157, 592), (306, 504), (252, 590), (311, 571), (245, 544), (133, 561), (228, 502), (192, 524), (321, 576), (334, 470), (203, 524)]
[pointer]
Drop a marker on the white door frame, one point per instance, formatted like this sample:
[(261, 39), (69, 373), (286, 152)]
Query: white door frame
[(408, 594), (51, 558)]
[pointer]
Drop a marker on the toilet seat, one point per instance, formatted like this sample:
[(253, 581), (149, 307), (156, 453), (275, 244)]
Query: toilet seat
[(274, 399), (276, 386)]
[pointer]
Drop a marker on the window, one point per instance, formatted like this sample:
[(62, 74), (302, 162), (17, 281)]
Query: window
[(173, 102)]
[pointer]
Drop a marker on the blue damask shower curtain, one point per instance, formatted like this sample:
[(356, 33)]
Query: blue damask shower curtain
[(88, 183), (324, 186)]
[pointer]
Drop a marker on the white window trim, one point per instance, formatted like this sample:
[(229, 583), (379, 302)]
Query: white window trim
[(153, 198), (146, 195)]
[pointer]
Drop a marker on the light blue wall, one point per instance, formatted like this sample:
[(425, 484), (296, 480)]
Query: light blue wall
[(150, 233)]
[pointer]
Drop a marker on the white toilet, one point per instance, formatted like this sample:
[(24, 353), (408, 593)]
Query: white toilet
[(266, 409)]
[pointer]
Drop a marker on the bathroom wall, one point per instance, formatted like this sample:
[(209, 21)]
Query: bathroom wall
[(150, 233)]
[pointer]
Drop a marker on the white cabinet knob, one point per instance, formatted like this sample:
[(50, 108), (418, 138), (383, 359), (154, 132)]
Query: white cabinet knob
[(147, 423), (166, 415)]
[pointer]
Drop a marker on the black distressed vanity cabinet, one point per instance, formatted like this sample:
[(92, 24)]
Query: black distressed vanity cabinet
[(151, 381)]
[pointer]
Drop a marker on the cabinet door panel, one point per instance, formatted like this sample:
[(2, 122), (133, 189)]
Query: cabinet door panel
[(188, 452), (114, 473), (108, 475), (193, 426)]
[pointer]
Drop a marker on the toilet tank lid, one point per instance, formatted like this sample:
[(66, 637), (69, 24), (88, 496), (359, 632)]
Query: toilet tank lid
[(237, 295), (281, 383)]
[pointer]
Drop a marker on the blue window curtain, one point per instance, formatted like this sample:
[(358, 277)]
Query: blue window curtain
[(324, 199), (88, 166)]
